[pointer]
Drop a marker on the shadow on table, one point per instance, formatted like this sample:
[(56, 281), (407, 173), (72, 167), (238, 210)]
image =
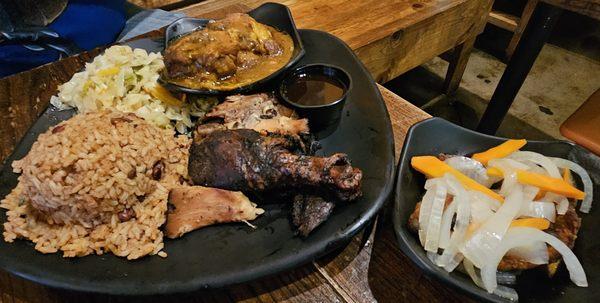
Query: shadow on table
[(295, 283), (394, 278)]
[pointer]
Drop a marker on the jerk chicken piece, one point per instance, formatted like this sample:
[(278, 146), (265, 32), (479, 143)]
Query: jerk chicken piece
[(221, 48), (193, 207), (310, 211), (260, 112), (245, 160)]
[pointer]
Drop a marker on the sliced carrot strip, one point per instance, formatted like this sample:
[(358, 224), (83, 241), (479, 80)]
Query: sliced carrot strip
[(500, 151), (162, 94), (546, 183), (432, 167), (539, 223), (539, 195)]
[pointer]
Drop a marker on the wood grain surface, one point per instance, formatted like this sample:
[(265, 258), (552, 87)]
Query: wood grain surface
[(585, 7), (370, 268)]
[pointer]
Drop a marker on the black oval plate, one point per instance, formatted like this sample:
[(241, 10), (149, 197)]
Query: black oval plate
[(275, 15), (434, 136), (232, 253)]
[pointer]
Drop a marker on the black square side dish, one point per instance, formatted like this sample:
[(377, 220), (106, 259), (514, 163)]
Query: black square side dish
[(434, 136), (275, 15)]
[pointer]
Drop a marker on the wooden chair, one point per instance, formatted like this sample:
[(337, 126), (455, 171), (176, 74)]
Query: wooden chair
[(583, 126), (513, 23)]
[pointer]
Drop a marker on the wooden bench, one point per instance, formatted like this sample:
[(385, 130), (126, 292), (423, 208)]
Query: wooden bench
[(543, 18), (514, 24), (583, 126)]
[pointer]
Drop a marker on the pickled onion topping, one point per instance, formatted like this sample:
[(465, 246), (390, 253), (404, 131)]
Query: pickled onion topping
[(469, 227), (588, 186)]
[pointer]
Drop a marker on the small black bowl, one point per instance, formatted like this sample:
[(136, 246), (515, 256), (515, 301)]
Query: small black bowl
[(323, 116), (275, 15), (435, 136)]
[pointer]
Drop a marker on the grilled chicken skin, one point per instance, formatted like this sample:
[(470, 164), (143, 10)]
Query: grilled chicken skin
[(248, 161)]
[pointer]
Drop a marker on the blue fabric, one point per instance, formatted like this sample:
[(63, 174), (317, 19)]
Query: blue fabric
[(88, 23)]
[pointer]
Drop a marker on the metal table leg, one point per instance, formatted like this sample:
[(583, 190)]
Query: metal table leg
[(537, 32)]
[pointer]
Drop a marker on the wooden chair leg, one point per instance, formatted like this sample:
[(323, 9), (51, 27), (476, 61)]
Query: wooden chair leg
[(458, 63), (521, 25)]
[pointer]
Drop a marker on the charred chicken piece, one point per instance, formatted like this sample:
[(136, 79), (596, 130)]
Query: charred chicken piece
[(259, 112), (310, 211), (193, 207), (248, 161)]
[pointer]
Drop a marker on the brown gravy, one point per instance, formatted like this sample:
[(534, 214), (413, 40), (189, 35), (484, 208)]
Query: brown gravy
[(314, 90), (265, 66)]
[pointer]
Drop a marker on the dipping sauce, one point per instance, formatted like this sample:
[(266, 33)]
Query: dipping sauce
[(314, 90)]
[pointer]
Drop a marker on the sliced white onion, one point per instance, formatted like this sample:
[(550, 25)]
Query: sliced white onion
[(431, 182), (488, 276), (471, 168), (450, 258), (520, 236), (501, 291), (536, 209), (470, 269), (506, 292), (588, 186), (479, 196), (563, 206), (534, 168), (529, 192), (494, 237), (515, 164), (539, 159), (484, 242), (454, 262), (562, 203), (509, 173), (447, 224), (480, 210), (432, 238), (425, 210), (534, 253)]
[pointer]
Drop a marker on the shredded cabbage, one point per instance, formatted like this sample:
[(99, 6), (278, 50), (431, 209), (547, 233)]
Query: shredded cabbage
[(124, 79)]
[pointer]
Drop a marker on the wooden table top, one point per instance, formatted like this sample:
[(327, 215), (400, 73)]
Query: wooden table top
[(338, 17), (370, 268), (585, 7), (391, 36)]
